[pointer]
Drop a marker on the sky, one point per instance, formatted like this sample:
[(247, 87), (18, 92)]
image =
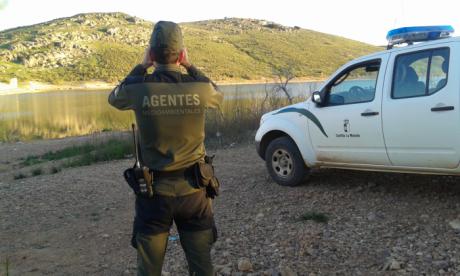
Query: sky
[(363, 20)]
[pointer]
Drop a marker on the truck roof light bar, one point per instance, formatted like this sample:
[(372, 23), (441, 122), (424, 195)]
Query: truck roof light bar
[(410, 35)]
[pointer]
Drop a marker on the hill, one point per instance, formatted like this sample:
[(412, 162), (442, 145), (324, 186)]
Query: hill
[(104, 46)]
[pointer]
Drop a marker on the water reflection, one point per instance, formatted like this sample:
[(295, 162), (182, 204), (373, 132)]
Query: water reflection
[(70, 113)]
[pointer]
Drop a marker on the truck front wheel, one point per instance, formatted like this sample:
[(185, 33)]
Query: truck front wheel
[(285, 163)]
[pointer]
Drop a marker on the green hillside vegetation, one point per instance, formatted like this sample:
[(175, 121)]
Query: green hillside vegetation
[(104, 47)]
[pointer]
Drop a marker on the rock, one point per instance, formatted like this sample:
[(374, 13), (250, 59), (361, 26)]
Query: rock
[(165, 273), (455, 224), (359, 189), (226, 271), (271, 272), (287, 271), (310, 251), (218, 268), (17, 47), (105, 236), (444, 265), (392, 264), (259, 217), (26, 61), (371, 216), (7, 55), (244, 264), (424, 217), (59, 44), (395, 265), (112, 31), (133, 19)]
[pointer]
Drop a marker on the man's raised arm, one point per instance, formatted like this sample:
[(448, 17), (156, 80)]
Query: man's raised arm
[(120, 96)]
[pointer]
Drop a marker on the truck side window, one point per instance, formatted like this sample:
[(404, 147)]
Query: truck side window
[(439, 70), (355, 85), (420, 74)]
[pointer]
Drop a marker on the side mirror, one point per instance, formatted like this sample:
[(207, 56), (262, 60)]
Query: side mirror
[(316, 97)]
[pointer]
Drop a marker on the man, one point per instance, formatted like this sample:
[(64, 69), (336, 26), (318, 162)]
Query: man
[(169, 108)]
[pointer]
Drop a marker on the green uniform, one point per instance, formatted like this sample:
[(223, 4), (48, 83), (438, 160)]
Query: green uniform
[(170, 112), (170, 116)]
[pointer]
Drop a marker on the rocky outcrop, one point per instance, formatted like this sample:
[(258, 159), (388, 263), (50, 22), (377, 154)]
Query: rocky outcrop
[(102, 46), (59, 42), (240, 25), (63, 41)]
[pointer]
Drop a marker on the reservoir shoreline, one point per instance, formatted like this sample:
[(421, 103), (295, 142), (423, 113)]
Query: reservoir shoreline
[(37, 87)]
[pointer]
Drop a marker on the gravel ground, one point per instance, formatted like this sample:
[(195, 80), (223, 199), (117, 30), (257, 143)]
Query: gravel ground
[(78, 221)]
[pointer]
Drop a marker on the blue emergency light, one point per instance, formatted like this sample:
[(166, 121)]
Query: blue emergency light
[(410, 35)]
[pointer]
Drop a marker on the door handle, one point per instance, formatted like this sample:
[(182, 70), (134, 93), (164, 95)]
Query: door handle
[(371, 113), (442, 108)]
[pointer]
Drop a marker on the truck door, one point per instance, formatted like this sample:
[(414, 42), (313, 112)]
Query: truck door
[(421, 108), (349, 126)]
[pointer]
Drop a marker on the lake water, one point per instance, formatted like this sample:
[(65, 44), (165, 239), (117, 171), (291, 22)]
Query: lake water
[(70, 113)]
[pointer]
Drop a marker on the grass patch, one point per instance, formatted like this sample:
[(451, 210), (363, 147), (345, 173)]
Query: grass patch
[(37, 171), (68, 152), (19, 176), (58, 155), (315, 216), (31, 160), (82, 155), (55, 170), (7, 266), (111, 150)]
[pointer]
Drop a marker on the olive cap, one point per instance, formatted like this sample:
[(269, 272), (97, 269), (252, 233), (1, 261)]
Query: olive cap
[(167, 35)]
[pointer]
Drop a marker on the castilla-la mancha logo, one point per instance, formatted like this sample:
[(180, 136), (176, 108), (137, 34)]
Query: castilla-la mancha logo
[(346, 126)]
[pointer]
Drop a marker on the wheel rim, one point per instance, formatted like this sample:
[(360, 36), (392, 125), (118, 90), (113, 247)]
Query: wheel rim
[(282, 163)]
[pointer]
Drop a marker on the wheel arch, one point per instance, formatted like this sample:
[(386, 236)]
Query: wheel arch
[(279, 128), (270, 136)]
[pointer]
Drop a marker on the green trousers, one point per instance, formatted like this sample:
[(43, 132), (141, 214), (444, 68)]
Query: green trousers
[(197, 247)]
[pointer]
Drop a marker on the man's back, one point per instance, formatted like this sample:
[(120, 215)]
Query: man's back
[(170, 111)]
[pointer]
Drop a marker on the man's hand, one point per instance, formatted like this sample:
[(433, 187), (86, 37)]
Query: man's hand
[(147, 62), (183, 59)]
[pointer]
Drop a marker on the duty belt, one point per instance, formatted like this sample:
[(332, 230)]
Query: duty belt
[(177, 173)]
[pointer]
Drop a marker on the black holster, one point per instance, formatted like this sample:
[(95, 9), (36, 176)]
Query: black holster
[(205, 177)]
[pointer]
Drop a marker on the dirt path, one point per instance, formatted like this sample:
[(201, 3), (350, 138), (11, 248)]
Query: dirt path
[(78, 221)]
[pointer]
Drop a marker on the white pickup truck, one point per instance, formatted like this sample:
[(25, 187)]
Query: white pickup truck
[(397, 110)]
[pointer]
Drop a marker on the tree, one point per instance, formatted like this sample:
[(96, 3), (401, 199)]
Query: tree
[(283, 75)]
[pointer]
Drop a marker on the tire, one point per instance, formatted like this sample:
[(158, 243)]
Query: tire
[(285, 163)]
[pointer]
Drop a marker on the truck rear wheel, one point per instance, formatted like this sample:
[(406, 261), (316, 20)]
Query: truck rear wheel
[(285, 163)]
